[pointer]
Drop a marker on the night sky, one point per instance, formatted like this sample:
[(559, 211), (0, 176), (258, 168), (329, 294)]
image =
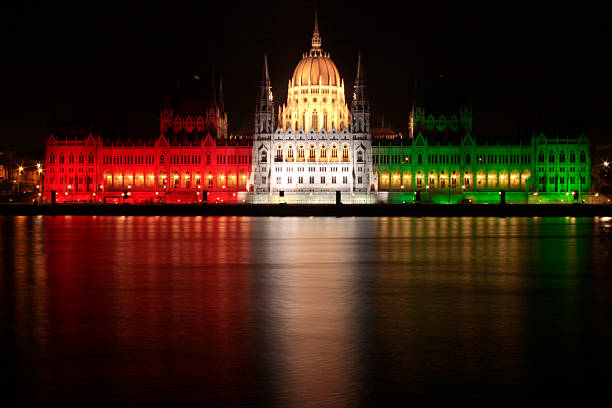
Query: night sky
[(111, 64)]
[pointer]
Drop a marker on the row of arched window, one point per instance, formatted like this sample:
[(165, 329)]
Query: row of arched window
[(300, 153), (71, 158), (176, 179), (561, 157), (454, 179)]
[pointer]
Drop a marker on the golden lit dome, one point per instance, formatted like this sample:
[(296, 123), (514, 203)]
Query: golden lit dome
[(315, 95), (312, 69)]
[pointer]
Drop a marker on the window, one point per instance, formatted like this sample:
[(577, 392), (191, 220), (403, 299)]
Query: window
[(322, 179), (278, 180), (468, 159), (300, 152), (90, 159), (300, 180), (345, 153), (551, 157), (322, 154), (345, 180), (334, 152), (312, 154), (562, 157), (333, 179), (572, 157), (263, 179), (359, 180), (311, 180), (161, 159), (264, 157), (582, 157), (208, 159), (290, 153), (420, 159), (289, 179)]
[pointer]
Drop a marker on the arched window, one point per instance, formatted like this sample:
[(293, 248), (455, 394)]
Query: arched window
[(541, 157), (334, 152), (562, 157), (187, 180), (290, 153), (359, 156), (420, 159), (315, 121), (52, 158), (161, 159), (71, 158), (468, 159), (582, 157), (325, 119), (208, 159), (312, 153), (300, 152), (279, 154), (177, 181), (90, 158), (264, 156), (551, 157), (81, 158), (345, 153), (572, 157)]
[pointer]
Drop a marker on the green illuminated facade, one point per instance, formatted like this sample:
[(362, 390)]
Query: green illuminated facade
[(447, 164)]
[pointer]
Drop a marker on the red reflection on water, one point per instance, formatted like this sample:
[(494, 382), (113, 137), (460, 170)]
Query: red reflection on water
[(139, 304)]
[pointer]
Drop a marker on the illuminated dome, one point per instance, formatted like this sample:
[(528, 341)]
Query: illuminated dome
[(315, 95), (315, 67)]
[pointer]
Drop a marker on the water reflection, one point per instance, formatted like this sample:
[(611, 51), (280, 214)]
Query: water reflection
[(302, 311)]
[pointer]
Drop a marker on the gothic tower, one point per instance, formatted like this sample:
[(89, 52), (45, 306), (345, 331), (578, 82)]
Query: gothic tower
[(264, 112), (360, 107)]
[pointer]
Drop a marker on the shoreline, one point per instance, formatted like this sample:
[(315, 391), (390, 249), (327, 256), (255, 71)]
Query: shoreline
[(308, 210)]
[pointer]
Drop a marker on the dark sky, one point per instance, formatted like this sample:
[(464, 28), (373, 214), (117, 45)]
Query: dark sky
[(112, 64)]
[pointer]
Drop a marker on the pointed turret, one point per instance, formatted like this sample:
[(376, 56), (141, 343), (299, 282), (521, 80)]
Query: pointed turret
[(316, 37), (213, 92), (360, 107), (221, 99), (264, 112)]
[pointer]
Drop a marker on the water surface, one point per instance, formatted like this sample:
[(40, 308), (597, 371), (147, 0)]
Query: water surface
[(238, 311)]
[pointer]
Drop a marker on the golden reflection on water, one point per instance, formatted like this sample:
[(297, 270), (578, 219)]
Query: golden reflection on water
[(311, 282)]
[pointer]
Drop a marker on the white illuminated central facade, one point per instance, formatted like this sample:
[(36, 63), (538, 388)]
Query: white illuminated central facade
[(316, 144)]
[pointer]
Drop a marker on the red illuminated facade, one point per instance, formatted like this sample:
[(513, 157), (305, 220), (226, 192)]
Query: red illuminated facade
[(192, 160)]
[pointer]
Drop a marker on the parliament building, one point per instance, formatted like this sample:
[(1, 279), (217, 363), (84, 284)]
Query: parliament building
[(310, 149)]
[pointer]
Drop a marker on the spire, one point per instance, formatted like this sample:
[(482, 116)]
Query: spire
[(221, 101), (358, 77), (213, 92), (316, 37), (264, 113), (265, 74), (360, 108)]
